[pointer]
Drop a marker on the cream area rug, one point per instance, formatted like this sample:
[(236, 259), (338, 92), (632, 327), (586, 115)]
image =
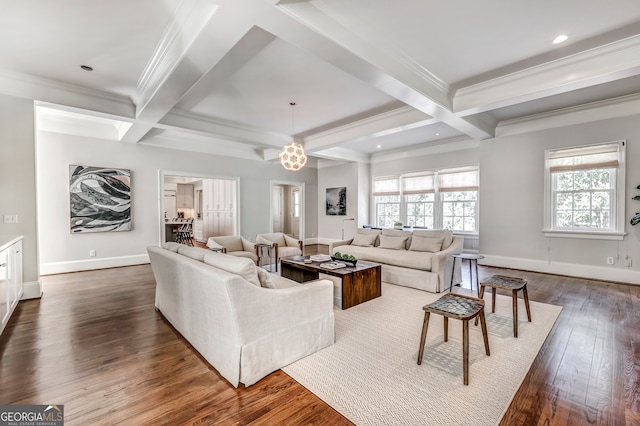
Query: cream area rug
[(370, 375)]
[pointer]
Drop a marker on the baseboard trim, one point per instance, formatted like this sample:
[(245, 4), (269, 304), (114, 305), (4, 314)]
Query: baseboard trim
[(569, 269), (88, 265), (31, 290)]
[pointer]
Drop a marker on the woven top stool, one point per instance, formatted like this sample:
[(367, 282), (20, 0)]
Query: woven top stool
[(507, 283), (461, 307)]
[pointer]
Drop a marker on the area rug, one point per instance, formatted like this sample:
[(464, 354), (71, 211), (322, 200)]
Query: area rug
[(371, 377)]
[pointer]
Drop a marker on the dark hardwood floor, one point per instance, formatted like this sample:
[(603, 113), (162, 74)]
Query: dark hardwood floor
[(95, 343)]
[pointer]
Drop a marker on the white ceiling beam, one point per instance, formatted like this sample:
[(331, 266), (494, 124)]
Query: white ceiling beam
[(200, 36), (603, 64), (196, 124), (390, 122), (394, 74)]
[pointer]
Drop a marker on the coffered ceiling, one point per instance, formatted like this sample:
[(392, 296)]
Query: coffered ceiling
[(369, 77)]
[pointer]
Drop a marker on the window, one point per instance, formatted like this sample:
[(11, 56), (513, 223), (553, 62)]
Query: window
[(459, 192), (386, 194), (435, 199), (582, 196), (419, 198)]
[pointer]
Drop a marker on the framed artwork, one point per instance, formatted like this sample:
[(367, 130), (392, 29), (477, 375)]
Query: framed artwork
[(337, 201), (100, 199)]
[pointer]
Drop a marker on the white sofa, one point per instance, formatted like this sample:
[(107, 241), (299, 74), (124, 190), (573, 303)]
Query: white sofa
[(244, 321), (420, 258)]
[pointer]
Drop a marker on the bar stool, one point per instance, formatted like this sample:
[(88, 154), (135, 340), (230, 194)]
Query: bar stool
[(457, 306)]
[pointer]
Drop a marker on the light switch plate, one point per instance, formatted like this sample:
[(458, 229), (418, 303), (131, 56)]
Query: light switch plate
[(10, 218)]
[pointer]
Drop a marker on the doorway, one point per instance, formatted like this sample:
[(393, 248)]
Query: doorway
[(287, 208), (209, 202)]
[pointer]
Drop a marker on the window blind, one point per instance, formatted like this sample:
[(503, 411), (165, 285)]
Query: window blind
[(603, 156), (458, 181), (389, 185), (419, 184)]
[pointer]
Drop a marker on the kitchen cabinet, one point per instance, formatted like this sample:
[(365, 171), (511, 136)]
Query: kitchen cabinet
[(219, 207), (10, 278), (198, 230), (184, 196)]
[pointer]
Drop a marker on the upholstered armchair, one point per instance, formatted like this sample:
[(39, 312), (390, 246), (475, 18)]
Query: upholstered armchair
[(284, 245), (234, 245)]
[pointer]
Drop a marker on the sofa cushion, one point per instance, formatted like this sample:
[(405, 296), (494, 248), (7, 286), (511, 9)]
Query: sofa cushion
[(446, 234), (276, 237), (399, 233), (393, 243), (367, 231), (195, 253), (265, 278), (364, 240), (235, 265), (172, 246), (230, 242), (402, 258), (430, 244)]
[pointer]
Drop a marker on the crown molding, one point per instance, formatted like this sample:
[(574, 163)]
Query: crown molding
[(430, 148), (602, 64), (602, 110), (21, 85)]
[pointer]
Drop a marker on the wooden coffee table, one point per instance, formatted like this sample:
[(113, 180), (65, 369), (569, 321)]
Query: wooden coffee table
[(360, 283)]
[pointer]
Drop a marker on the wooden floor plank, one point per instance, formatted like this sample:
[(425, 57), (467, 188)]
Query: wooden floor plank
[(95, 343)]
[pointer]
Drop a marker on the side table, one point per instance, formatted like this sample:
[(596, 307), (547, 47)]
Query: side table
[(473, 259), (261, 248)]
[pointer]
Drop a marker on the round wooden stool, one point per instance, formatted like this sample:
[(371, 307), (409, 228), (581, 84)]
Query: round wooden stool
[(459, 307)]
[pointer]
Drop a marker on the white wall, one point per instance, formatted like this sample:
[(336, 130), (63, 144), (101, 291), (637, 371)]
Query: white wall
[(512, 199), (330, 227), (60, 251), (18, 184)]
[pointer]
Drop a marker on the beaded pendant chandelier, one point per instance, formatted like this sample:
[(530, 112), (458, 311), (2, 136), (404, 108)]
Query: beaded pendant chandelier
[(292, 156)]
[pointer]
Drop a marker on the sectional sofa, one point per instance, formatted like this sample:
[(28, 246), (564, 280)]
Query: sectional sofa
[(244, 321), (420, 258)]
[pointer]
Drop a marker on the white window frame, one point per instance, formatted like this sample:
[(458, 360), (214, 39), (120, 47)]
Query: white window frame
[(410, 184), (617, 221)]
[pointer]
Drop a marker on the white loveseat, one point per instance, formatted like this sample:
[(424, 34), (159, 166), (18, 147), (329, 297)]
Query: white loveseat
[(420, 258), (244, 321)]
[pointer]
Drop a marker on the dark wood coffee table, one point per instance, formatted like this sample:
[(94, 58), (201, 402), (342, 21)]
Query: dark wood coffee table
[(360, 283)]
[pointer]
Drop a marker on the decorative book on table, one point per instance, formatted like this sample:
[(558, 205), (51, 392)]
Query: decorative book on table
[(333, 265), (320, 257)]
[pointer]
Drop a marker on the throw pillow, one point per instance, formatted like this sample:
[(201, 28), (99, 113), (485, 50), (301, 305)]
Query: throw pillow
[(262, 240), (195, 253), (394, 243), (172, 246), (242, 266), (431, 244), (364, 240), (265, 278)]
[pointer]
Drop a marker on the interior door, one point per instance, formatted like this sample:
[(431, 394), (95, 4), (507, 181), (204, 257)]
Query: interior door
[(295, 211), (277, 206)]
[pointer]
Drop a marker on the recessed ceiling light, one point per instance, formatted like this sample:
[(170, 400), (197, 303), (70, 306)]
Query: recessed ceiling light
[(437, 134), (378, 146), (86, 67), (560, 39)]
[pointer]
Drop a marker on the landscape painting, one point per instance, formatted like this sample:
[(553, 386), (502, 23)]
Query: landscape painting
[(337, 201), (100, 199)]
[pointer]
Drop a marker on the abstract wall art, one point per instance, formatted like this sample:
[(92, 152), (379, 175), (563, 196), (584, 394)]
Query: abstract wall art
[(337, 201), (100, 199)]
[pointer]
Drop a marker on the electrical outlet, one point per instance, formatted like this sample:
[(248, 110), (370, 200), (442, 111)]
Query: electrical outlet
[(10, 218), (609, 260), (92, 253)]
